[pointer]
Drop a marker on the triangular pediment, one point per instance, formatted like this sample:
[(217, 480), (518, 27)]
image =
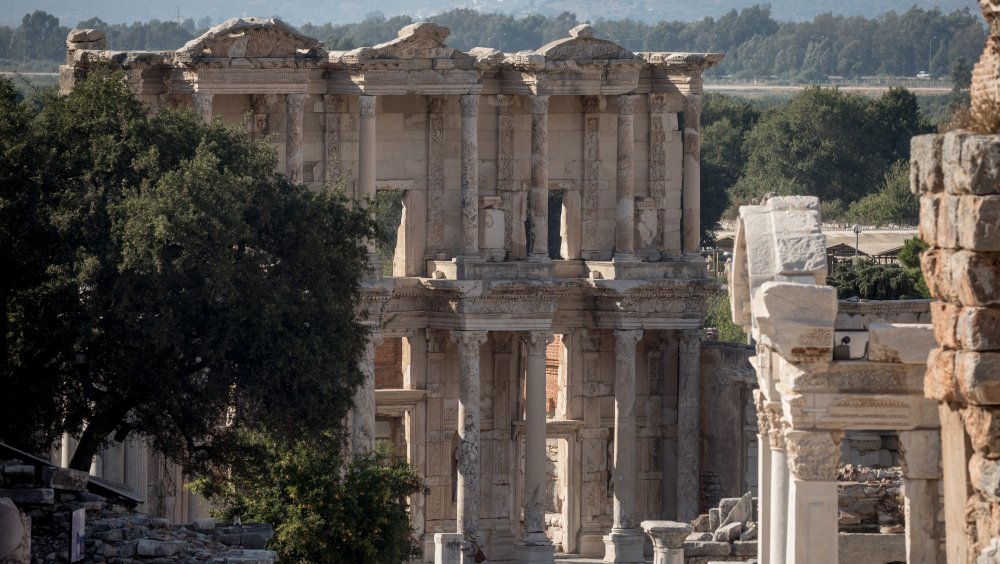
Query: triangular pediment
[(420, 40), (251, 38), (581, 46)]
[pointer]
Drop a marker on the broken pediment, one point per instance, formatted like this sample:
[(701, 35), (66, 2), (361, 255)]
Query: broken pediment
[(249, 38), (420, 40), (581, 46)]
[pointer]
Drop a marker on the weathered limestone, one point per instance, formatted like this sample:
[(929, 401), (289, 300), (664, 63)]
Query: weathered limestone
[(468, 430), (692, 173), (294, 108), (668, 540), (202, 103), (534, 546), (363, 414), (812, 497), (538, 197), (367, 148), (448, 548), (624, 543), (15, 534), (625, 223), (470, 176), (688, 431)]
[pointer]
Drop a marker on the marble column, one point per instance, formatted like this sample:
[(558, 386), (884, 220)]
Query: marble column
[(624, 543), (366, 148), (470, 175), (668, 540), (363, 415), (764, 468), (777, 524), (688, 429), (921, 453), (203, 105), (415, 378), (467, 518), (294, 113), (812, 497), (538, 197), (691, 192), (625, 218), (534, 545), (334, 108)]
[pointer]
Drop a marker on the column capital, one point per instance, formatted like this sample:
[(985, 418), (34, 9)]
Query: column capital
[(295, 102), (536, 341), (263, 103), (436, 104), (813, 455), (690, 341), (469, 104), (657, 102), (334, 103), (540, 104), (367, 103), (505, 102), (626, 104), (625, 340), (593, 104), (376, 338), (666, 534), (469, 341), (692, 103), (437, 340)]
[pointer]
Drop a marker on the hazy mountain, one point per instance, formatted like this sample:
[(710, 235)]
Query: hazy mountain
[(70, 12)]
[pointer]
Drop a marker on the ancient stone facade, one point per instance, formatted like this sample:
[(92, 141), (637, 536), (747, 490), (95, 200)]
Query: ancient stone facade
[(475, 142), (818, 380)]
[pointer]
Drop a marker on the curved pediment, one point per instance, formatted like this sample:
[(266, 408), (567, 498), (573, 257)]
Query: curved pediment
[(250, 38), (581, 46), (420, 40)]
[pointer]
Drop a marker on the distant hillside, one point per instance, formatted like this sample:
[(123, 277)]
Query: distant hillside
[(70, 12)]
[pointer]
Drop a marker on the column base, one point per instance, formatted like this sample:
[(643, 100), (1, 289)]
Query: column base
[(538, 257), (535, 548), (625, 257), (624, 546)]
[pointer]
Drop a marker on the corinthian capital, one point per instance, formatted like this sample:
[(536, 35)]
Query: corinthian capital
[(625, 340), (536, 341), (469, 341), (814, 455)]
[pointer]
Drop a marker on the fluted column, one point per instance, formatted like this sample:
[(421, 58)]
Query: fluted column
[(534, 545), (470, 175), (363, 415), (203, 105), (467, 518), (294, 112), (539, 194), (625, 219), (691, 194), (812, 497), (366, 148), (688, 430), (624, 544)]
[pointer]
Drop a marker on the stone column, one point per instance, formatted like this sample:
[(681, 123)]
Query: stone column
[(363, 415), (470, 175), (668, 540), (624, 544), (777, 524), (921, 452), (203, 105), (688, 429), (691, 194), (763, 479), (415, 378), (539, 195), (625, 218), (468, 429), (135, 464), (812, 497), (294, 112), (366, 148), (334, 107), (534, 545), (261, 105)]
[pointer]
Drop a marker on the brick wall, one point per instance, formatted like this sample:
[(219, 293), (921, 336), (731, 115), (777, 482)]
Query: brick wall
[(552, 375), (389, 364)]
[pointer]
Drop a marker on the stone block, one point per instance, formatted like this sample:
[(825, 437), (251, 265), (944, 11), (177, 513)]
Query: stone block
[(801, 254), (948, 221), (19, 476), (971, 163), (944, 317), (697, 548), (979, 228), (713, 519), (729, 533), (745, 548), (30, 496), (926, 176), (65, 479), (985, 477), (939, 382), (978, 329), (906, 343), (15, 534), (156, 548), (797, 319), (978, 376), (739, 512), (921, 452), (863, 547), (982, 424), (964, 277), (927, 227)]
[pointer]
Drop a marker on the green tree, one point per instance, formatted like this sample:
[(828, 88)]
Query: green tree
[(172, 282), (909, 259), (892, 204), (721, 318), (725, 123), (874, 282)]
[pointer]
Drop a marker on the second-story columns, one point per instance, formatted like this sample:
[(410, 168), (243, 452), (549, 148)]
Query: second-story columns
[(625, 215), (202, 102), (470, 175), (366, 148), (539, 195), (294, 113), (691, 192)]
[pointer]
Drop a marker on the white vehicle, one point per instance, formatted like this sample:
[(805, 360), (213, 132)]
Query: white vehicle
[(924, 75)]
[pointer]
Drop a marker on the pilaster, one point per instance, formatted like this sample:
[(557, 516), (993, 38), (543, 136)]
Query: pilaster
[(625, 185)]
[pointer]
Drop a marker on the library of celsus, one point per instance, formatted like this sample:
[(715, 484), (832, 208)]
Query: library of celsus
[(541, 321)]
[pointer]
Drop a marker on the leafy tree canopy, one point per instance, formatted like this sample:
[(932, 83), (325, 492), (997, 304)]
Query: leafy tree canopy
[(158, 277)]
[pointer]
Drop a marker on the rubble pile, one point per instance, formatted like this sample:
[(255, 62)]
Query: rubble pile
[(726, 533), (36, 508), (870, 499)]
